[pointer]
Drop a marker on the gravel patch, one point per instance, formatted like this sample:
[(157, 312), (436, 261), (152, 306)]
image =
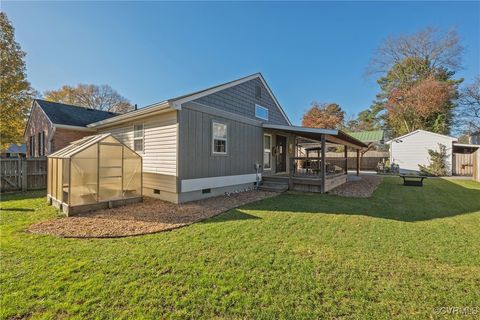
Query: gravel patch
[(149, 216), (358, 188)]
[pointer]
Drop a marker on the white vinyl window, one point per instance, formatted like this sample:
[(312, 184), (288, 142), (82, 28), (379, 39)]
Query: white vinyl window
[(267, 152), (261, 112), (219, 138), (138, 137)]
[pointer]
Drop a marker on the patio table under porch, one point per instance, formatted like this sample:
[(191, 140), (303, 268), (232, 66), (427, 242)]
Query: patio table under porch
[(308, 168)]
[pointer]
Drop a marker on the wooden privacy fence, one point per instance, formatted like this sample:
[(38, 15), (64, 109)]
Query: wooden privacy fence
[(23, 174), (463, 164), (367, 162), (476, 165)]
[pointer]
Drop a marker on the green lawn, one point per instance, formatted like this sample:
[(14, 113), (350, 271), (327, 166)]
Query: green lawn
[(399, 254)]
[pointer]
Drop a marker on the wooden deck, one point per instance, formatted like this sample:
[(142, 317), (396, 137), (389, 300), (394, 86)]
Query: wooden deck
[(308, 183)]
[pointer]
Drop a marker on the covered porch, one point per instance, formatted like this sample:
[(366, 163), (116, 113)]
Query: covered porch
[(295, 157)]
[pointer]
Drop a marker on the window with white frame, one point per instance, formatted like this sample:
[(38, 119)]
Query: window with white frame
[(138, 137), (261, 112), (219, 138), (267, 152)]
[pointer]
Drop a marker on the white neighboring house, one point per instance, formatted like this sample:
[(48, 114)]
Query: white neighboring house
[(410, 150)]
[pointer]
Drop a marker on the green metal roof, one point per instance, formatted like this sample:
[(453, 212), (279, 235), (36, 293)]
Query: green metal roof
[(368, 136)]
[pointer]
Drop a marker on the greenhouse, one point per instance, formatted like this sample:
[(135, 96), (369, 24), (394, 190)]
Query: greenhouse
[(93, 173)]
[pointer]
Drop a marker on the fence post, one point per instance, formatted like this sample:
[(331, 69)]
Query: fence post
[(24, 174)]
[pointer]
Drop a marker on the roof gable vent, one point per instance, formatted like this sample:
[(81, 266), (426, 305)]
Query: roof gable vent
[(258, 92)]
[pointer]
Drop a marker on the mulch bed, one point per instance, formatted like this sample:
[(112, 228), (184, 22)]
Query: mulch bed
[(361, 188), (149, 216)]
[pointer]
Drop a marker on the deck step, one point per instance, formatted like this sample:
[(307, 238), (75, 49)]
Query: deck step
[(277, 179), (274, 186)]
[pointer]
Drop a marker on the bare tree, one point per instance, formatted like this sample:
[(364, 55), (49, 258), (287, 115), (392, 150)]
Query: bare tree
[(436, 48), (468, 112), (101, 97)]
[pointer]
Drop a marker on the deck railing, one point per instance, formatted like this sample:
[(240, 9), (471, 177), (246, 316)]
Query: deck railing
[(312, 167)]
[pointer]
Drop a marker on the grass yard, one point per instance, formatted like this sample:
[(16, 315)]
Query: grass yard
[(400, 254)]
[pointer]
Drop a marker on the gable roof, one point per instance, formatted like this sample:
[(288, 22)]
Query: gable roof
[(70, 115), (79, 145), (422, 131), (368, 136), (175, 103)]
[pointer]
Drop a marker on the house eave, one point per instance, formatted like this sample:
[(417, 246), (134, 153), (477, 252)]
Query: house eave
[(69, 127), (333, 135), (132, 115)]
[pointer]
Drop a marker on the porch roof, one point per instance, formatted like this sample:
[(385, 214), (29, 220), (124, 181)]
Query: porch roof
[(331, 135)]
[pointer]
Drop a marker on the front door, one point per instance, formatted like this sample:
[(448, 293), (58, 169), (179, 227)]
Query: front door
[(281, 158)]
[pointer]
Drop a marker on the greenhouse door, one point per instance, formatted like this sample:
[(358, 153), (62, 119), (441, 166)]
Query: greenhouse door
[(110, 171)]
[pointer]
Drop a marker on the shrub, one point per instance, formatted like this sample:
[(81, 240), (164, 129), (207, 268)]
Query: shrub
[(438, 163)]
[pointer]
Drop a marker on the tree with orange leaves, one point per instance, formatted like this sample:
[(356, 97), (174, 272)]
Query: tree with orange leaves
[(326, 115), (410, 107)]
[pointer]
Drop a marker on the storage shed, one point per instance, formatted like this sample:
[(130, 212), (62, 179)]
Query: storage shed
[(411, 150), (93, 173)]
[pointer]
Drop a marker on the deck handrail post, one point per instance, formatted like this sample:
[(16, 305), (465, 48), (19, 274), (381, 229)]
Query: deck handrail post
[(290, 173), (323, 164), (358, 162)]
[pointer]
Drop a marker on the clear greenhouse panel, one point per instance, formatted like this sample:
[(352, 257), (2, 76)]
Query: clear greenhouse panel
[(65, 180), (49, 176), (132, 174), (84, 176), (58, 181), (110, 174), (54, 178)]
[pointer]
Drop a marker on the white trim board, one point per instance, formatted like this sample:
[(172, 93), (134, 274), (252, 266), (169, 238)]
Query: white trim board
[(217, 182)]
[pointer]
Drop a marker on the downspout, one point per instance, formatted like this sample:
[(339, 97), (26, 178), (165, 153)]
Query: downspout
[(50, 138)]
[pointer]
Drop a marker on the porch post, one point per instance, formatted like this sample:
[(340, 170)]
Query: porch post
[(323, 164), (358, 162), (346, 160)]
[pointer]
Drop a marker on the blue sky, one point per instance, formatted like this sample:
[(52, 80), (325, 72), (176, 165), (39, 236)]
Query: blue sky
[(152, 51)]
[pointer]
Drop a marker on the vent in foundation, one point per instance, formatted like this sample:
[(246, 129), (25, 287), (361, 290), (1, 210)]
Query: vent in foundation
[(206, 191), (156, 191)]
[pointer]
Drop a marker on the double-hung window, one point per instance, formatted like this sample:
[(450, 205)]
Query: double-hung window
[(267, 152), (219, 138), (138, 137)]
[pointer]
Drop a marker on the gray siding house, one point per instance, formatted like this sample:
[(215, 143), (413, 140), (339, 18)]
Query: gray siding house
[(226, 138)]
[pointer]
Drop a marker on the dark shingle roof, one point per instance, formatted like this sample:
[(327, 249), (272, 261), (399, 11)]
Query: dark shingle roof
[(66, 114), (16, 148)]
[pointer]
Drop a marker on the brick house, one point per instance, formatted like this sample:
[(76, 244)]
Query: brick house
[(52, 126)]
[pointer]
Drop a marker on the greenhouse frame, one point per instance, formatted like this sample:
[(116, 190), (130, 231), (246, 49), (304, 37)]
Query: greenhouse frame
[(93, 173)]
